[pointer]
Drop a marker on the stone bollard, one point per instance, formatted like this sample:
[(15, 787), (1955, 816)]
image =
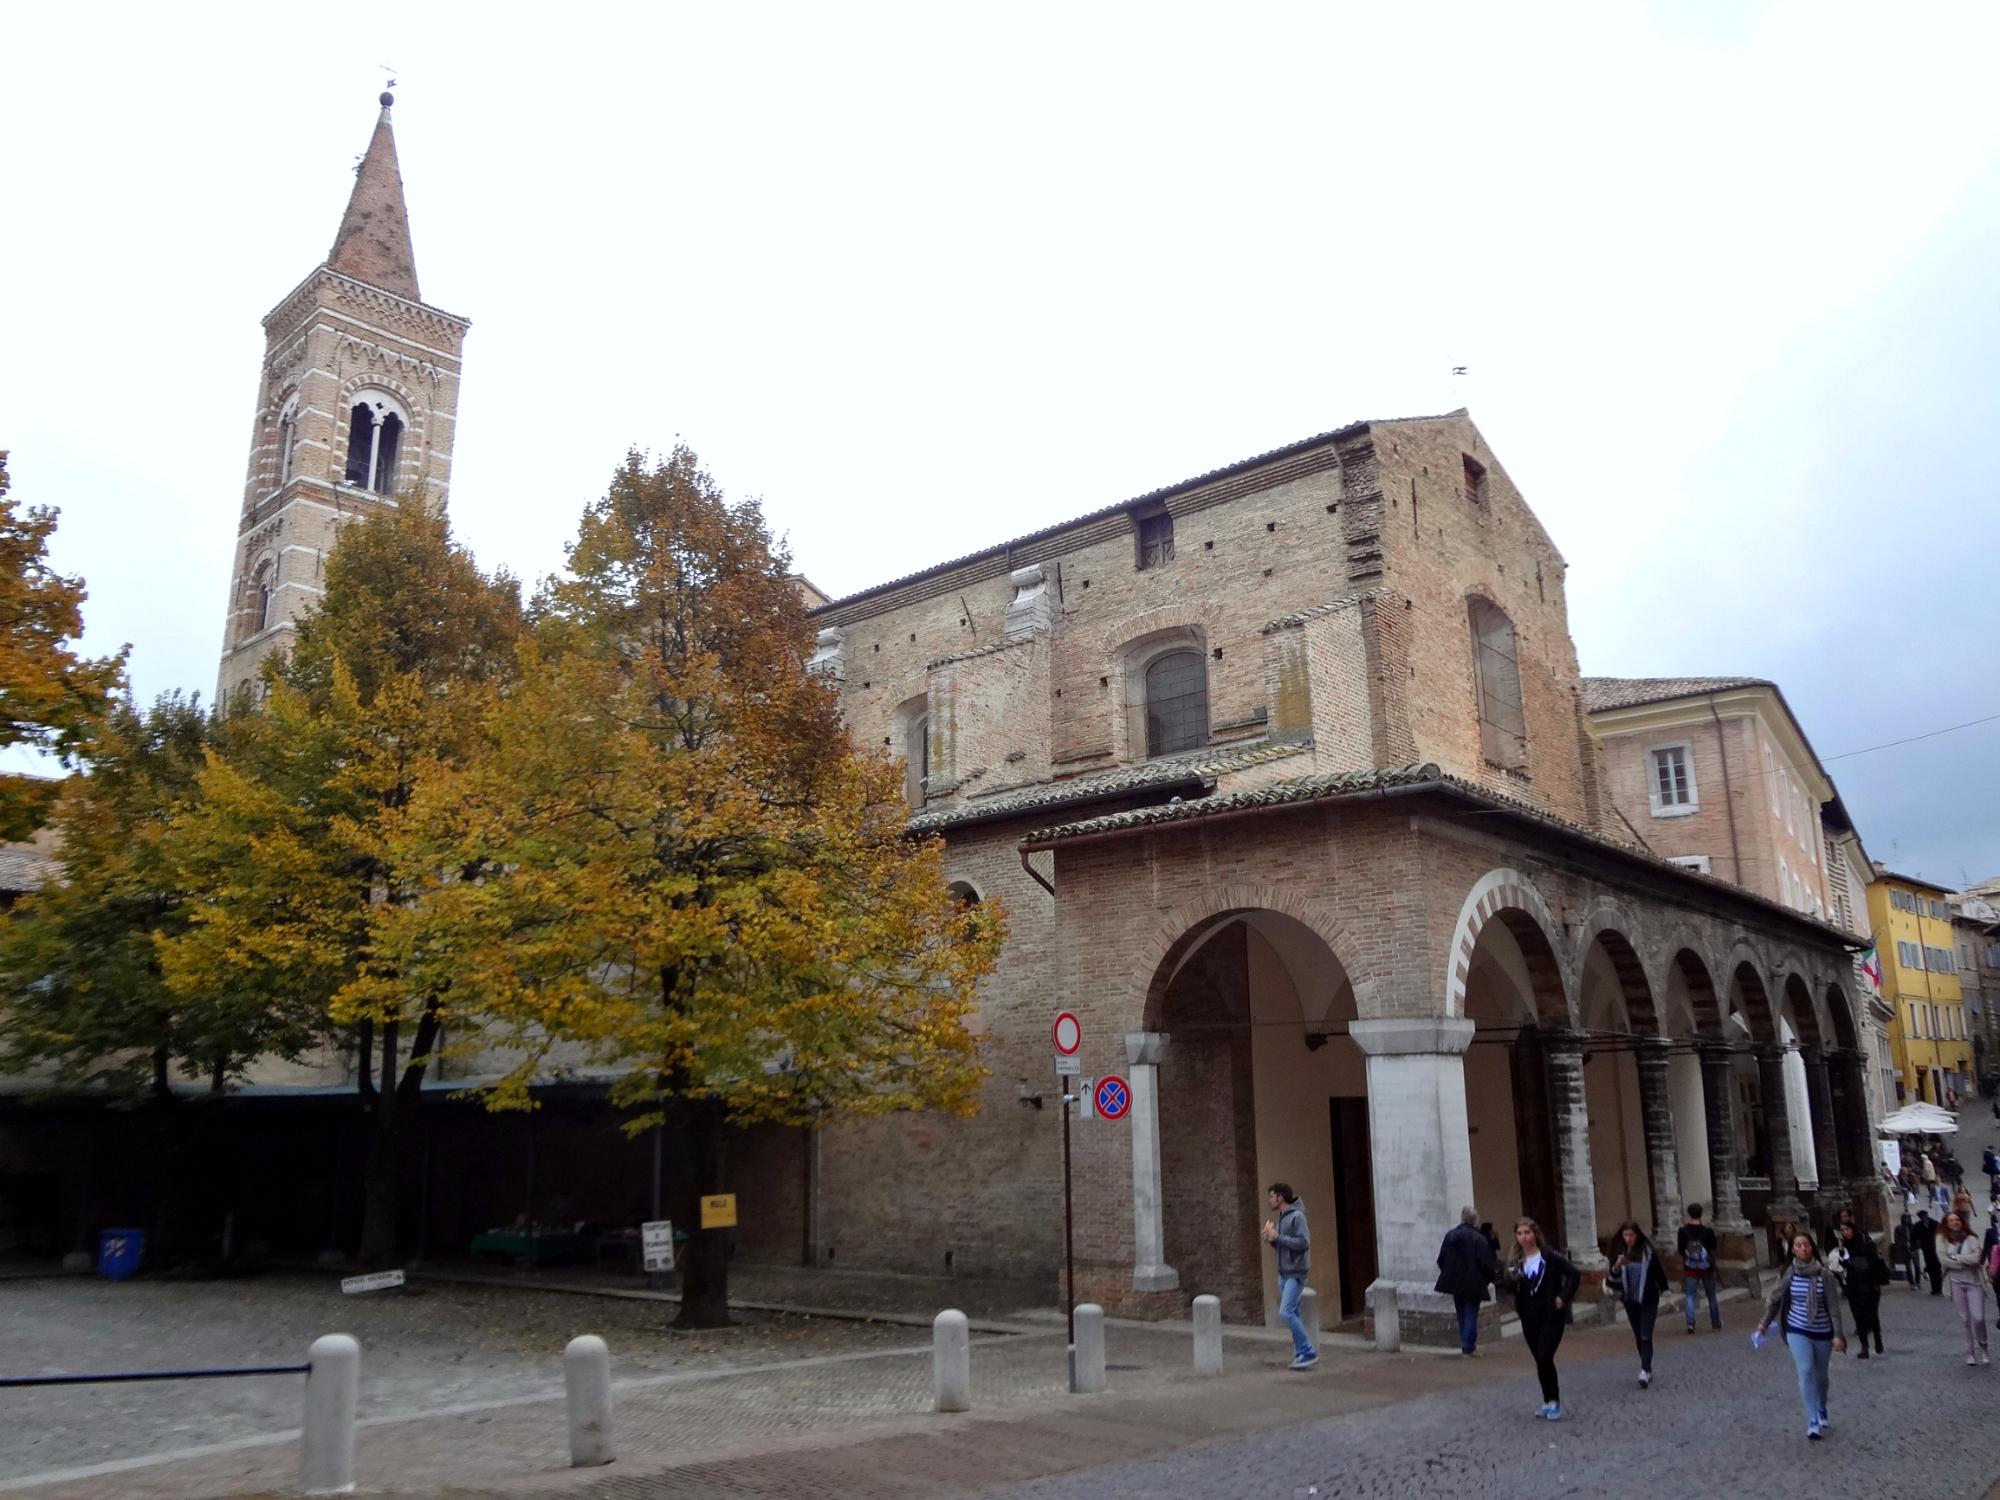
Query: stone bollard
[(1089, 1354), (1388, 1319), (333, 1387), (587, 1384), (1208, 1335), (951, 1362), (1309, 1315)]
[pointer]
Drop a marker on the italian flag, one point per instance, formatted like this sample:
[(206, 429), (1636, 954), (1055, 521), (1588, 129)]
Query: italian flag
[(1871, 969)]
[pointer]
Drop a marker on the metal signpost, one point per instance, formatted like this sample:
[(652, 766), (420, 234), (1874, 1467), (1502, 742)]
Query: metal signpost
[(1067, 1034)]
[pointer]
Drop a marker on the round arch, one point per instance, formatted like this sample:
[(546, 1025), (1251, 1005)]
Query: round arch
[(1512, 898)]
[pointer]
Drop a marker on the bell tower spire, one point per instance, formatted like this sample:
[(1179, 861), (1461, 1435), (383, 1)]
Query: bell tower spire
[(356, 411), (373, 244)]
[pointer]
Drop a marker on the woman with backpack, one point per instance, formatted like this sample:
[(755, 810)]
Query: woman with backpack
[(1859, 1268), (1965, 1269), (1545, 1284), (1808, 1315), (1641, 1281)]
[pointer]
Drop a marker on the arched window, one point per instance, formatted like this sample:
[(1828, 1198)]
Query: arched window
[(1176, 703), (913, 737), (288, 437), (374, 436), (1496, 668)]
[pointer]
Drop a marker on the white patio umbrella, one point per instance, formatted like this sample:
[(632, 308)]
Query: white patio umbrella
[(1919, 1119)]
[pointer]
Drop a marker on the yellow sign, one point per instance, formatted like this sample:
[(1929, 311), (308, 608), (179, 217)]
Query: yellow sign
[(718, 1212)]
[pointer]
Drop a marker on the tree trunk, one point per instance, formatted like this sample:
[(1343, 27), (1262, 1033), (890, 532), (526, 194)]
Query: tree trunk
[(705, 1265), (379, 1182), (395, 1109)]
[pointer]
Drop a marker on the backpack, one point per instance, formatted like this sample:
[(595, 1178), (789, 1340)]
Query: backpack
[(1695, 1258), (1993, 1261)]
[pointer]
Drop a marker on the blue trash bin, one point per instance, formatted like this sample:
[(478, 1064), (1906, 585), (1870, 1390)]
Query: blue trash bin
[(118, 1252)]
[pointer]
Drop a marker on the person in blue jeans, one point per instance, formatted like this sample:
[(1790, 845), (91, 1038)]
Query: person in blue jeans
[(1808, 1314), (1287, 1234), (1696, 1244), (1466, 1268)]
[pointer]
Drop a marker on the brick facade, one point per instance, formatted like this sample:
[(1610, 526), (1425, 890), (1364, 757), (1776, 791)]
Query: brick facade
[(1345, 867)]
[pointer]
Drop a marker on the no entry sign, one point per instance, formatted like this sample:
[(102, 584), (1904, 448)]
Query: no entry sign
[(1068, 1033), (1114, 1097)]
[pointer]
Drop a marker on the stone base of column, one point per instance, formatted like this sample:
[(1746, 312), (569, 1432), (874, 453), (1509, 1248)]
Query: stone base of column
[(1155, 1279), (1426, 1316)]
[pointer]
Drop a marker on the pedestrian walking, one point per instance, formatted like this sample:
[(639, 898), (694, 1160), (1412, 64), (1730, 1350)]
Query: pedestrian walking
[(1466, 1268), (1544, 1283), (1287, 1234), (1965, 1268), (1809, 1318), (1923, 1240), (1904, 1248), (1696, 1244), (1641, 1282), (1858, 1266), (1927, 1167)]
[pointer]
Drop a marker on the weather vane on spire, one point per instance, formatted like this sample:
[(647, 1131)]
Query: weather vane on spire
[(387, 97)]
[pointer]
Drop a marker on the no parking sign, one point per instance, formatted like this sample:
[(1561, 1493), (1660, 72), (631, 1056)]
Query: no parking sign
[(1113, 1098)]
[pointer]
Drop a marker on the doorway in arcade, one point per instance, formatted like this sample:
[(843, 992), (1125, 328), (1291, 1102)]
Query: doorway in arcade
[(1260, 1083)]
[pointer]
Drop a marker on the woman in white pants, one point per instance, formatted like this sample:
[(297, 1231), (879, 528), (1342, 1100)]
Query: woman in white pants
[(1963, 1259)]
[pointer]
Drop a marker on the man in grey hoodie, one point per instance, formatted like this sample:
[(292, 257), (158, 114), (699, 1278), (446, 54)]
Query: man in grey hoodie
[(1287, 1234)]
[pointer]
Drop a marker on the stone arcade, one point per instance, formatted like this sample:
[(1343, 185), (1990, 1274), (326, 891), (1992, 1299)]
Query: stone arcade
[(1284, 777)]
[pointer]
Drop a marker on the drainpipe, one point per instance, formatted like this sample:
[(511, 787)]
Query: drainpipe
[(1728, 792)]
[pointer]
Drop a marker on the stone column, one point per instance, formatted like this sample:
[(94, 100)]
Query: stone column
[(1564, 1050), (1826, 1145), (1422, 1152), (1725, 1212), (1150, 1271), (1656, 1111), (1861, 1165), (1778, 1135)]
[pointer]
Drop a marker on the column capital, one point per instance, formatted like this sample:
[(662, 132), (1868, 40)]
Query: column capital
[(1562, 1039), (1651, 1048), (1712, 1049), (1402, 1035), (1144, 1048)]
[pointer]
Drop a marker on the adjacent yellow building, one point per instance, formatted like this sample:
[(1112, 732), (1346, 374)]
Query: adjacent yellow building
[(1929, 1038)]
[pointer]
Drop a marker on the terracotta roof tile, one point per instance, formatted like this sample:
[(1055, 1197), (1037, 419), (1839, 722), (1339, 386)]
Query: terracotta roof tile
[(1600, 693)]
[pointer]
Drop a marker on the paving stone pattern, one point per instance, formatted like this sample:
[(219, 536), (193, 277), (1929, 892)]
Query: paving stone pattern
[(1720, 1418)]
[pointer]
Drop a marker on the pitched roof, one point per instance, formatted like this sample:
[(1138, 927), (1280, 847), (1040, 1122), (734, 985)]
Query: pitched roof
[(28, 867), (1388, 780), (1600, 693), (1241, 466), (373, 244), (1196, 771)]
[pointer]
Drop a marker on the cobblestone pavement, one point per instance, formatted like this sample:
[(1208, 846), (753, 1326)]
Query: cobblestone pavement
[(423, 1347), (858, 1425), (1719, 1417)]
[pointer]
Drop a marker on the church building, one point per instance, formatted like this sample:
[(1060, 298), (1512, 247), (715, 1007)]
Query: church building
[(1285, 777)]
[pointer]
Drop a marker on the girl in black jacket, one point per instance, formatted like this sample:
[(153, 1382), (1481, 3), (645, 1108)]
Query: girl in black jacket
[(1544, 1285), (1858, 1267), (1640, 1280)]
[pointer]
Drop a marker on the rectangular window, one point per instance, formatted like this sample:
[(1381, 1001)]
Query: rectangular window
[(1771, 779), (1475, 480), (1156, 540), (1673, 793), (1916, 1020), (1496, 675), (1695, 862)]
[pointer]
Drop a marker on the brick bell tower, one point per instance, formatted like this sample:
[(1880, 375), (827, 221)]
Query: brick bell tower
[(356, 409)]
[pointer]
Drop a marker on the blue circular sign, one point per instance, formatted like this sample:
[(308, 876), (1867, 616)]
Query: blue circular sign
[(1114, 1097)]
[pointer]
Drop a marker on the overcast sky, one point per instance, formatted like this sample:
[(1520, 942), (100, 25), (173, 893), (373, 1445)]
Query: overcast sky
[(925, 278)]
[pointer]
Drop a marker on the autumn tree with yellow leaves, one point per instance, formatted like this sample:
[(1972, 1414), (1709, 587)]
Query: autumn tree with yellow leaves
[(51, 699), (291, 855), (667, 858)]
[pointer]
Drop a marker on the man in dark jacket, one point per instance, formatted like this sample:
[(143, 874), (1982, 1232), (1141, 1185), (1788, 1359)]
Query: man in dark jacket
[(1696, 1245), (1923, 1240), (1466, 1267)]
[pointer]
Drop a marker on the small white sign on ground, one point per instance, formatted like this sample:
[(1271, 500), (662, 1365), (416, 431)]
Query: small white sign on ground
[(656, 1243), (374, 1281)]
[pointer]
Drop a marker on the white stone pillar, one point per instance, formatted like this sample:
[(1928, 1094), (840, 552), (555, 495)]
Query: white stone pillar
[(1150, 1271), (1571, 1106), (1422, 1150)]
